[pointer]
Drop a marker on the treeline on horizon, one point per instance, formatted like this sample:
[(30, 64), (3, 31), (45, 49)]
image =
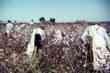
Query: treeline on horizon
[(53, 20)]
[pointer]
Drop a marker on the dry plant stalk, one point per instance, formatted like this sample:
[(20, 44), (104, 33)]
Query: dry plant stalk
[(34, 65)]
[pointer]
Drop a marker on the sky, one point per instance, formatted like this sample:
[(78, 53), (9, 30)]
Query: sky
[(62, 10)]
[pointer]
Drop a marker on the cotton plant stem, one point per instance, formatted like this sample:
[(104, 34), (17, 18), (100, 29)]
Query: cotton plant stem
[(34, 62), (69, 61)]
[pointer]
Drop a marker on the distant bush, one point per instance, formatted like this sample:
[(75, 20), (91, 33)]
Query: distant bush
[(52, 20), (42, 19)]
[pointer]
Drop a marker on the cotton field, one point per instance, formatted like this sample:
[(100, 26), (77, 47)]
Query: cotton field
[(64, 54)]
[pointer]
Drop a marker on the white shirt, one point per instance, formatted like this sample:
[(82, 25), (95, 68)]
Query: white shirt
[(31, 22), (39, 31), (98, 34), (58, 34), (100, 41), (9, 27)]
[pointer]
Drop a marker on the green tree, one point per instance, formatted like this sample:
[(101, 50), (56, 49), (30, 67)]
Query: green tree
[(42, 19), (52, 20)]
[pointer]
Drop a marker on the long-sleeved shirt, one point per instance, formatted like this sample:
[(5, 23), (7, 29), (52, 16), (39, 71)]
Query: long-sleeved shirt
[(99, 35), (100, 42), (30, 47), (9, 27)]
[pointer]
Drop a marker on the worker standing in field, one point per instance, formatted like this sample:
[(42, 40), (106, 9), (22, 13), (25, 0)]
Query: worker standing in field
[(100, 46), (31, 22), (34, 48), (9, 27), (57, 36), (37, 38)]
